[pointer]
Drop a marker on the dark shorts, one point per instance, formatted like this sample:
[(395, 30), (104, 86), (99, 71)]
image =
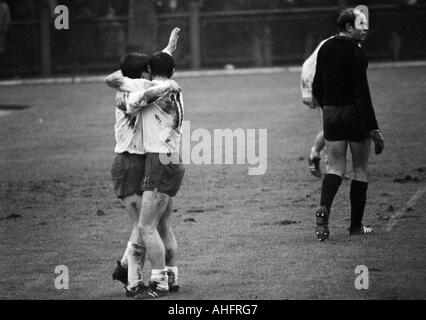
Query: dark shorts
[(166, 178), (127, 173), (343, 123)]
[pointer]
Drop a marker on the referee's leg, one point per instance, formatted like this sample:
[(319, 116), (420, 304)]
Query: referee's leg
[(336, 168), (336, 155), (358, 194), (360, 151)]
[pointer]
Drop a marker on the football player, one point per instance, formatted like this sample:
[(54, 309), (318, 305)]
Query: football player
[(129, 165)]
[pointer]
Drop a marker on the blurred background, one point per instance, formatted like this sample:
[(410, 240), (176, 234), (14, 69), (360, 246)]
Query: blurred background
[(215, 33)]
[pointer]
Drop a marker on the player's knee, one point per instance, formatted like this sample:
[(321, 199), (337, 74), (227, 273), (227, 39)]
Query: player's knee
[(336, 154), (135, 233), (337, 170), (360, 174), (145, 230), (133, 200)]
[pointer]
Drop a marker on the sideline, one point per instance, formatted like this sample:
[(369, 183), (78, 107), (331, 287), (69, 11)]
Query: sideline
[(201, 73), (395, 217)]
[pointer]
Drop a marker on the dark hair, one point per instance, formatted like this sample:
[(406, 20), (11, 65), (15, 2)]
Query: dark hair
[(345, 17), (162, 64), (134, 64)]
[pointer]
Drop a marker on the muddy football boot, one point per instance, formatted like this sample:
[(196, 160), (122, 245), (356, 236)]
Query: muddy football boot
[(322, 232), (150, 292), (131, 293), (314, 166), (120, 273)]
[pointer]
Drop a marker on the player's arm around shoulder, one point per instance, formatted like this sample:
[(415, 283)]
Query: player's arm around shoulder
[(119, 82), (115, 80), (136, 101), (161, 88), (143, 98)]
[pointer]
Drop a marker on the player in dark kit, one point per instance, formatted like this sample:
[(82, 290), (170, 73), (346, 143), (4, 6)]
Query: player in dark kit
[(341, 88)]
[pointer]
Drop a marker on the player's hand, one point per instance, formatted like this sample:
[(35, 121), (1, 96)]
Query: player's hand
[(378, 140), (309, 103), (315, 103), (174, 37)]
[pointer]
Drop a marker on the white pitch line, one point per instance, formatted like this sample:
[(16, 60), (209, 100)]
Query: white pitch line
[(395, 217), (4, 113)]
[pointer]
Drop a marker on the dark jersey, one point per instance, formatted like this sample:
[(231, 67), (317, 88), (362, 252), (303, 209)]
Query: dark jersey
[(341, 78)]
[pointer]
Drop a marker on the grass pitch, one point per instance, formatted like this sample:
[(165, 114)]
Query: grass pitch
[(240, 236)]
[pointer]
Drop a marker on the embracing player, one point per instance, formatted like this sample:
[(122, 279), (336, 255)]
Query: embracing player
[(129, 165), (164, 172)]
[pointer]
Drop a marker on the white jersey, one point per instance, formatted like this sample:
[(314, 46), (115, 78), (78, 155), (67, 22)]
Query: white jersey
[(128, 127), (308, 74), (161, 119)]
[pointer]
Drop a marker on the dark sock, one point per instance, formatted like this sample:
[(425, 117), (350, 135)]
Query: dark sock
[(330, 186), (358, 195)]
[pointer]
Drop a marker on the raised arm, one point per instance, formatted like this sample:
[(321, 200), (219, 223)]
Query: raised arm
[(117, 81), (172, 45)]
